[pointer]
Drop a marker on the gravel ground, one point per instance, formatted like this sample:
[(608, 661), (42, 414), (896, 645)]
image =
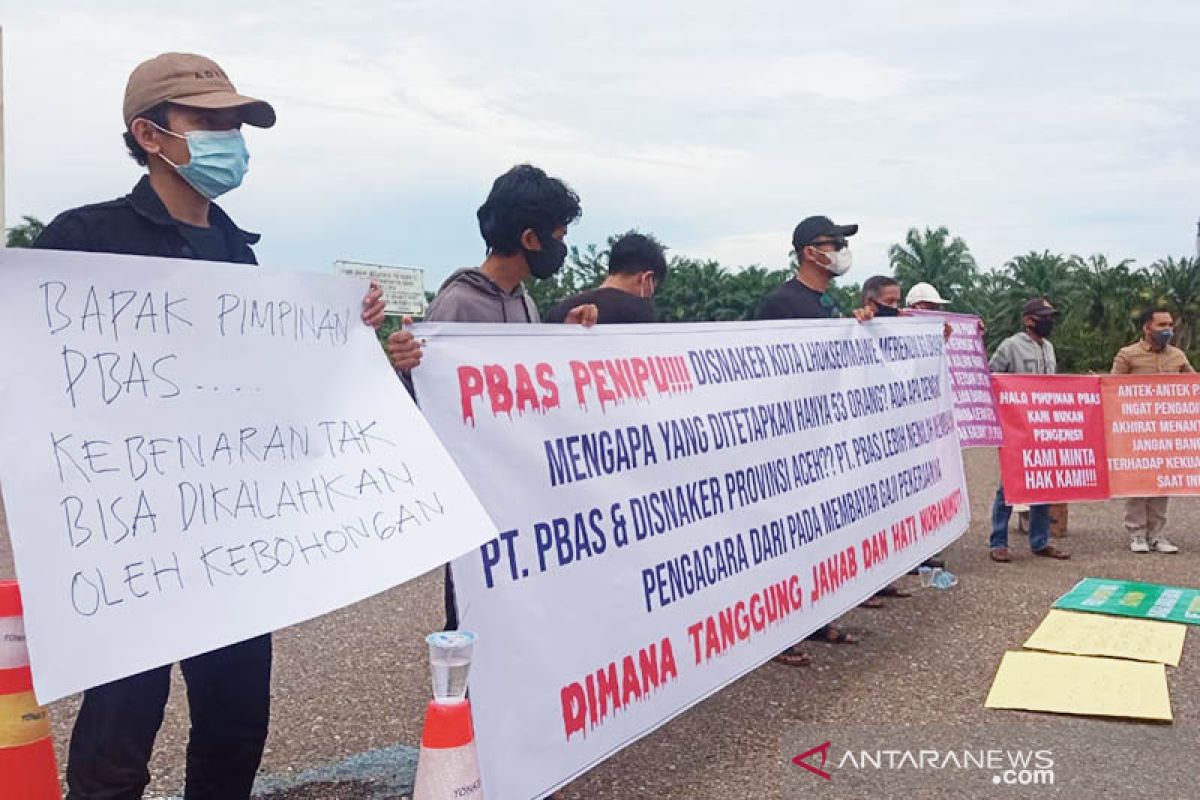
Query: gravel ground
[(356, 680)]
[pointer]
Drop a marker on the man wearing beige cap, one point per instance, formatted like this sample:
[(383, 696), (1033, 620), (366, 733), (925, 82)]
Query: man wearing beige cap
[(925, 297), (183, 121)]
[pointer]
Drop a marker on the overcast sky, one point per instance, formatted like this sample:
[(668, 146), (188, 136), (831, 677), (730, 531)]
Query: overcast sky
[(1069, 126)]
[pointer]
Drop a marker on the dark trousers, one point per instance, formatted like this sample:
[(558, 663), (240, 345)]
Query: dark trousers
[(229, 697)]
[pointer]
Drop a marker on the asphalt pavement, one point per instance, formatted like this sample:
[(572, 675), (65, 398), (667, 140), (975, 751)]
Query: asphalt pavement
[(350, 687)]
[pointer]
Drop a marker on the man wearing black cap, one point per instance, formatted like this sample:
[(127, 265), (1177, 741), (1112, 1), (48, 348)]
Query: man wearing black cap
[(1029, 351), (823, 254), (183, 122)]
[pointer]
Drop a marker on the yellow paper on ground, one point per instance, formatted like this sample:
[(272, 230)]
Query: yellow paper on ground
[(1105, 635), (1106, 687)]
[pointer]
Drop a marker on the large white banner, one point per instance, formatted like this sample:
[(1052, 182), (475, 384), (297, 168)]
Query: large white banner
[(193, 454), (678, 503)]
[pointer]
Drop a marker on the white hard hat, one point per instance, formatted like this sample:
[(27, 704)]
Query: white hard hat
[(924, 293)]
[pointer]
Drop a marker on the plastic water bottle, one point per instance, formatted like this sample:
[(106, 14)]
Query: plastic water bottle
[(944, 579), (450, 664)]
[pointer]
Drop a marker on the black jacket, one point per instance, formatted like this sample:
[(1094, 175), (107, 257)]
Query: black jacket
[(138, 225)]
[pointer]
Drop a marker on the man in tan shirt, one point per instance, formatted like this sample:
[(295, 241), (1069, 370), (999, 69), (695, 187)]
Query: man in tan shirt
[(1145, 517)]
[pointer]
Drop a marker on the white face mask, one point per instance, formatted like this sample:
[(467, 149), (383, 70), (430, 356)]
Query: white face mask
[(647, 286), (839, 261)]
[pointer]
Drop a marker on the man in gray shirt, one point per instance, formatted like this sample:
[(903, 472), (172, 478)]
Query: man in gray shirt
[(1029, 351)]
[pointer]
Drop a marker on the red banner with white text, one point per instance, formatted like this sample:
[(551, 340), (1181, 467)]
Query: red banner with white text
[(1053, 449), (1079, 437)]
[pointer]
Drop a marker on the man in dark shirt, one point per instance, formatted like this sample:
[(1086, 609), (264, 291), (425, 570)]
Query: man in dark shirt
[(823, 254), (183, 121), (636, 268)]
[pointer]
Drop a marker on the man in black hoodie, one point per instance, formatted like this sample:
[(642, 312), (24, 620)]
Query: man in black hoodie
[(523, 222)]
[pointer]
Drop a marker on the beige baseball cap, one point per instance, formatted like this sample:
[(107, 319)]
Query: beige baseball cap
[(189, 80), (924, 293)]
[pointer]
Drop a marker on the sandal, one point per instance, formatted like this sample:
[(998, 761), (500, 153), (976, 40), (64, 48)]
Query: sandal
[(892, 590), (933, 563), (793, 657), (1050, 551), (832, 634), (873, 601)]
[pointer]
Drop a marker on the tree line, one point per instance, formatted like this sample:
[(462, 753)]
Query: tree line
[(1099, 299)]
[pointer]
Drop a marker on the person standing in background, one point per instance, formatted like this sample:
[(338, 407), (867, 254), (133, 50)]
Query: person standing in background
[(822, 254), (523, 223), (925, 297), (1029, 351), (881, 294), (637, 267), (1153, 354)]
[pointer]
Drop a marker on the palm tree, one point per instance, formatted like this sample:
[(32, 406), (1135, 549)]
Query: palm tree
[(986, 299), (1044, 274), (26, 233), (1104, 294), (933, 256), (1176, 284), (703, 291)]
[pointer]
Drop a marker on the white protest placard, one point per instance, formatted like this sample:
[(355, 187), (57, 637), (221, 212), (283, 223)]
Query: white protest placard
[(677, 504), (403, 287), (193, 454)]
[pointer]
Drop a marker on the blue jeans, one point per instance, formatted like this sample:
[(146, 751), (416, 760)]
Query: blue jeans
[(1039, 524)]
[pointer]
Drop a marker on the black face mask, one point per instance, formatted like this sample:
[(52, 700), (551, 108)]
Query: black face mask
[(1043, 326), (547, 261), (882, 310), (1163, 338)]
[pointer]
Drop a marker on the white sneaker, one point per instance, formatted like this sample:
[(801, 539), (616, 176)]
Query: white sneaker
[(1138, 544), (1162, 545)]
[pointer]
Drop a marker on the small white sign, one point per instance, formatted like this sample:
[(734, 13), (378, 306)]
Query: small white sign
[(403, 287)]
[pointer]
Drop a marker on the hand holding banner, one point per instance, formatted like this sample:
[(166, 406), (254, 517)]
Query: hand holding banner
[(677, 504), (194, 454), (974, 405), (1053, 438), (1152, 430), (1069, 438)]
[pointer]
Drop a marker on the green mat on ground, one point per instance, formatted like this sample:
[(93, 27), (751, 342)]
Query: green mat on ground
[(1129, 599)]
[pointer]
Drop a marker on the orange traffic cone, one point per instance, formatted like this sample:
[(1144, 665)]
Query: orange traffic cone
[(448, 767), (27, 767)]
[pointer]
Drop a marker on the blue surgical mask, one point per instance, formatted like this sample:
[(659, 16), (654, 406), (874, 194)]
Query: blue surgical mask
[(218, 160)]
